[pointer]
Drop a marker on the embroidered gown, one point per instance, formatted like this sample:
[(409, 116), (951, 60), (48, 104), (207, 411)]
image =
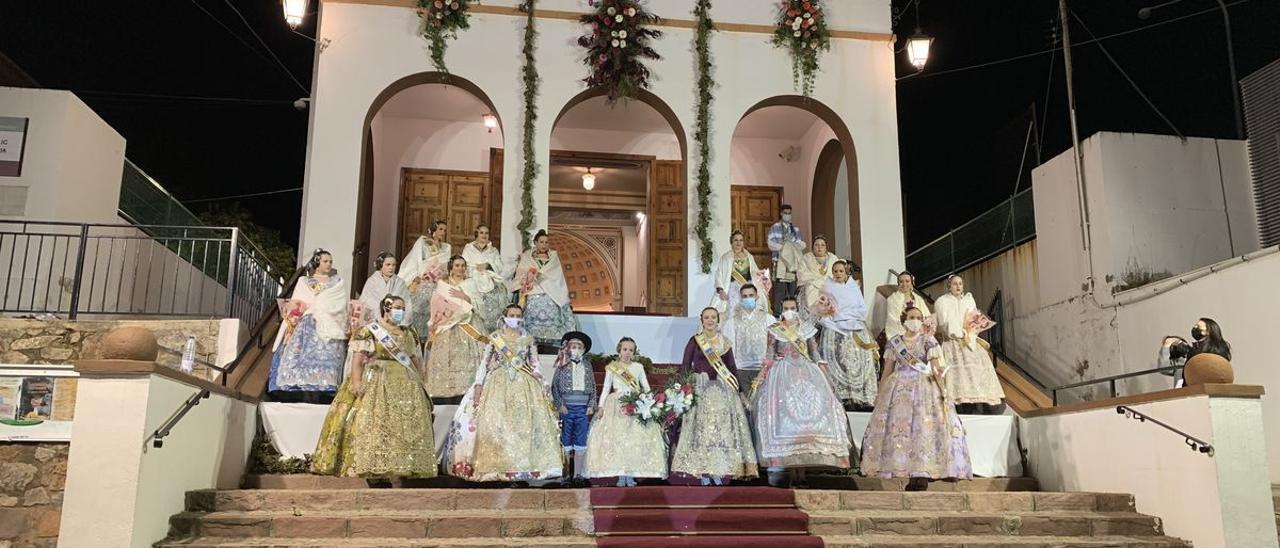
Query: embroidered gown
[(512, 433), (715, 437), (730, 271), (386, 432), (851, 352), (618, 445), (799, 420), (309, 356), (914, 432), (455, 342), (548, 314), (427, 259), (811, 276), (971, 377), (491, 290)]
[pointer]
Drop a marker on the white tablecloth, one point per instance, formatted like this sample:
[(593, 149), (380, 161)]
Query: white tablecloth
[(993, 442), (294, 428)]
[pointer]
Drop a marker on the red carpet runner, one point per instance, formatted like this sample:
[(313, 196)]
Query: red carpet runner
[(641, 517)]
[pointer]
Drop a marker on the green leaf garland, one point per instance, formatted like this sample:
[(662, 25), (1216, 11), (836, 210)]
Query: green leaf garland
[(802, 31), (702, 130), (617, 41), (529, 78), (441, 21)]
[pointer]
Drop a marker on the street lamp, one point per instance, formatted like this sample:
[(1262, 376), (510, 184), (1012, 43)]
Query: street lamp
[(918, 49), (1145, 13), (294, 11)]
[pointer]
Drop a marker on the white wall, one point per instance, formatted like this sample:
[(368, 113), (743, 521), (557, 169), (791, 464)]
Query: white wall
[(346, 84), (754, 161), (635, 278), (842, 238), (663, 146), (70, 151), (1222, 500)]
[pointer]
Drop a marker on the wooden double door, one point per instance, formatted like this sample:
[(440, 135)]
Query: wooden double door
[(463, 199), (753, 209)]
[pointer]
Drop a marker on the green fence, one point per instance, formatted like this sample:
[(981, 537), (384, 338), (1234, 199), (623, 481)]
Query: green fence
[(995, 231)]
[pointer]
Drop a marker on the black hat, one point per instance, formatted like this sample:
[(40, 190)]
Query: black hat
[(586, 341)]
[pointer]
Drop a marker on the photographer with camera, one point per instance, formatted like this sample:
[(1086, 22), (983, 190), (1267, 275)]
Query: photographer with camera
[(1176, 351)]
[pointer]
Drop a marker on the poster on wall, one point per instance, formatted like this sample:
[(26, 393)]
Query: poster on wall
[(9, 390), (13, 133), (64, 398), (36, 402)]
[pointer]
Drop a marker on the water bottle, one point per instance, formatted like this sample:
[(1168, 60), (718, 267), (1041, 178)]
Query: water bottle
[(189, 355)]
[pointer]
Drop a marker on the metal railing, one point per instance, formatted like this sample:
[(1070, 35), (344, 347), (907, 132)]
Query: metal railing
[(987, 235), (1112, 380), (1196, 444), (143, 201), (72, 269)]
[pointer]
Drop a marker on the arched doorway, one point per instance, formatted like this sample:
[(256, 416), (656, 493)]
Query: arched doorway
[(794, 150), (429, 141), (634, 152)]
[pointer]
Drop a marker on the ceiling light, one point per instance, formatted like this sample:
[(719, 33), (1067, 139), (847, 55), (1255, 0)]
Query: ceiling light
[(588, 180), (490, 121)]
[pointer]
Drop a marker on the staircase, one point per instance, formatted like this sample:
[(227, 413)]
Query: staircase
[(745, 517), (383, 517), (977, 519)]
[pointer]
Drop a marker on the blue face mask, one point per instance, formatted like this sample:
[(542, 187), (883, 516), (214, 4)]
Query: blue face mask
[(748, 303), (397, 315)]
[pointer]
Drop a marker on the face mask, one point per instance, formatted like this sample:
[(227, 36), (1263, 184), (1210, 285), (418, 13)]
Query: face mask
[(513, 323), (397, 315), (748, 303), (790, 315), (786, 217), (1197, 333), (913, 326), (575, 354)]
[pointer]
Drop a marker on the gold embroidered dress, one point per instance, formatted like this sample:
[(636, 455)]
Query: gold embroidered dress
[(618, 445), (715, 437), (455, 342), (387, 431), (811, 276), (971, 377), (420, 269)]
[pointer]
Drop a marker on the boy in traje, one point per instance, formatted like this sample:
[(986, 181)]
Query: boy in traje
[(573, 390)]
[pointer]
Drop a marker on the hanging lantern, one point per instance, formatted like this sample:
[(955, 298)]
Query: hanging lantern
[(918, 49), (294, 11), (588, 180), (490, 122)]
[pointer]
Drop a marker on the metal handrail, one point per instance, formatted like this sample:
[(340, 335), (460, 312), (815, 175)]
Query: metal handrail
[(1112, 380), (1196, 444)]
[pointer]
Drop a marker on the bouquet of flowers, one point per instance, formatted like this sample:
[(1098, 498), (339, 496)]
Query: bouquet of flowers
[(527, 281), (644, 406), (679, 398), (825, 306), (976, 322), (355, 315), (664, 407)]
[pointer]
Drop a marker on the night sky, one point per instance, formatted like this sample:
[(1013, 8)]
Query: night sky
[(962, 128)]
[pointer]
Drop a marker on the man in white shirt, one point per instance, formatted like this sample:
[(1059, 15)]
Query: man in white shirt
[(747, 328)]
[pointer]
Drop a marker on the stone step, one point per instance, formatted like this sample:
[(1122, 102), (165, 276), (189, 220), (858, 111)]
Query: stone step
[(977, 541), (859, 483), (384, 523), (811, 500), (387, 499), (486, 542), (1056, 523)]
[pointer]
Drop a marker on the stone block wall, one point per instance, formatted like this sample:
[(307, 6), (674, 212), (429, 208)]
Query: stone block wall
[(24, 341), (32, 476)]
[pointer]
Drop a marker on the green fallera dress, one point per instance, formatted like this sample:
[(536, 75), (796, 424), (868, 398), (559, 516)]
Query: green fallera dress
[(387, 431)]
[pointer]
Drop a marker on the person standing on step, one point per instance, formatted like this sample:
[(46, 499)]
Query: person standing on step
[(971, 378), (748, 330), (380, 422), (311, 345), (799, 421), (454, 340), (812, 275), (424, 265), (486, 269), (573, 391), (914, 431), (544, 293), (505, 428), (382, 283), (736, 268), (850, 351), (619, 445), (715, 437), (788, 250)]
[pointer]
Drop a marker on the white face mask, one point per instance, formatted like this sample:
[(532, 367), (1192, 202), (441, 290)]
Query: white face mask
[(513, 323), (397, 315), (790, 315), (575, 353), (786, 217), (913, 326)]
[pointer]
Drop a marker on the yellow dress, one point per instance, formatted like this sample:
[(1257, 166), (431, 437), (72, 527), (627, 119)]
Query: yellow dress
[(387, 431), (619, 445)]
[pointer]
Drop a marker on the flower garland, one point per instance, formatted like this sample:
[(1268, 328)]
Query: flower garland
[(702, 130), (618, 41), (441, 20), (529, 78), (802, 30)]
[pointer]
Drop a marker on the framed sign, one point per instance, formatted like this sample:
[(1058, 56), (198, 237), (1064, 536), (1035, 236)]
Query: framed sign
[(37, 402), (13, 133)]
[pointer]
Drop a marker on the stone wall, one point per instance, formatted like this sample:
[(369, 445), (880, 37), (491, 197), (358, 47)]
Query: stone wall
[(32, 476), (25, 341)]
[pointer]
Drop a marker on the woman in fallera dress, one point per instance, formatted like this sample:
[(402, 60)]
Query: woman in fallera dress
[(382, 283), (426, 262), (455, 342), (544, 294), (311, 346), (812, 274), (618, 445), (851, 352), (799, 421), (715, 437), (505, 429), (486, 270), (379, 424), (971, 377), (736, 268), (914, 431)]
